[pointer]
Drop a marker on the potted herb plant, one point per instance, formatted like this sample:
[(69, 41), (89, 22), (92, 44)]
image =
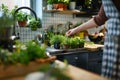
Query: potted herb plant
[(76, 42), (50, 4), (56, 40), (66, 42), (22, 18), (34, 24), (81, 43), (61, 4), (6, 22)]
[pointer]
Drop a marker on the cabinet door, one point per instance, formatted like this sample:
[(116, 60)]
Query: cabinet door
[(91, 61), (95, 62), (77, 59)]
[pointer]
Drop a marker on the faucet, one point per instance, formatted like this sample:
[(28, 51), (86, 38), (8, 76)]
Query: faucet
[(24, 7)]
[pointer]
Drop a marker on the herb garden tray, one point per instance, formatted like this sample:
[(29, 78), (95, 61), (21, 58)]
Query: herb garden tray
[(18, 69)]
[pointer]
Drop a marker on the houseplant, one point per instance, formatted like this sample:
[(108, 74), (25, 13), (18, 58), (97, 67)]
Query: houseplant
[(50, 4), (22, 18), (34, 24), (56, 40), (6, 24), (61, 4), (6, 10), (24, 59), (66, 43)]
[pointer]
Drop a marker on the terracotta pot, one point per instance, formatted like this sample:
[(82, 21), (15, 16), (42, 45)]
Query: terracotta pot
[(66, 46), (60, 6), (22, 23)]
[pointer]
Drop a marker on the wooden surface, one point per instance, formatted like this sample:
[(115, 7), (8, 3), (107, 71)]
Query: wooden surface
[(87, 48), (66, 11), (7, 71), (74, 72), (80, 74)]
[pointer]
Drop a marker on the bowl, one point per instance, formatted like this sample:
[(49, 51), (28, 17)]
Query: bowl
[(98, 39)]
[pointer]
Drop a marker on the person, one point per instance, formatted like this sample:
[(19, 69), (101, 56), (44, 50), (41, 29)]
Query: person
[(109, 13)]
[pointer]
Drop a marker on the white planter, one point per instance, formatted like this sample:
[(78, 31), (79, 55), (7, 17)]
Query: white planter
[(49, 7), (72, 5)]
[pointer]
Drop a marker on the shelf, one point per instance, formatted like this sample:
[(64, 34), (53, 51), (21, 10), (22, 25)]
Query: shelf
[(73, 12)]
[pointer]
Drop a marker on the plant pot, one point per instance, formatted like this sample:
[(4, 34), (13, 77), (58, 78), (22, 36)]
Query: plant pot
[(60, 6), (57, 45), (72, 5), (49, 7), (66, 46), (22, 23), (5, 33)]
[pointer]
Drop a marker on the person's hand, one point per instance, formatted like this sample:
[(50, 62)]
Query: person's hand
[(70, 32)]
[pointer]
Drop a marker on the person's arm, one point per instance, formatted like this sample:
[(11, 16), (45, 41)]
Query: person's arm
[(94, 22), (89, 24), (101, 18)]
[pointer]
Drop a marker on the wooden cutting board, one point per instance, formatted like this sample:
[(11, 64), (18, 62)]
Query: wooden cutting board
[(93, 47)]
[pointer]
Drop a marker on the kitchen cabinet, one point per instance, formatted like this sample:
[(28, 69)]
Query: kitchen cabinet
[(89, 60)]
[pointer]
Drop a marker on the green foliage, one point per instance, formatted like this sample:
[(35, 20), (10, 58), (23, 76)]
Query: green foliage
[(73, 0), (51, 1), (35, 51), (23, 54), (6, 20), (6, 10), (23, 57), (57, 1), (3, 57), (34, 24), (73, 42), (63, 1), (56, 38), (21, 16), (88, 3), (66, 40), (54, 71), (76, 42)]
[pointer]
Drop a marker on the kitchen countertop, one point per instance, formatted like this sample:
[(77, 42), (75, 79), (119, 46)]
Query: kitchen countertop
[(74, 72), (87, 48)]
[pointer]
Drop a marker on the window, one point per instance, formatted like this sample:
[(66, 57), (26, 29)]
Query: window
[(21, 3)]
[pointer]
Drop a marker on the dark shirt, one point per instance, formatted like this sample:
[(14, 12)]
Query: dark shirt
[(100, 18)]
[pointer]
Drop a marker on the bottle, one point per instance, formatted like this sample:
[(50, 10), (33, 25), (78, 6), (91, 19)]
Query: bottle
[(46, 39)]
